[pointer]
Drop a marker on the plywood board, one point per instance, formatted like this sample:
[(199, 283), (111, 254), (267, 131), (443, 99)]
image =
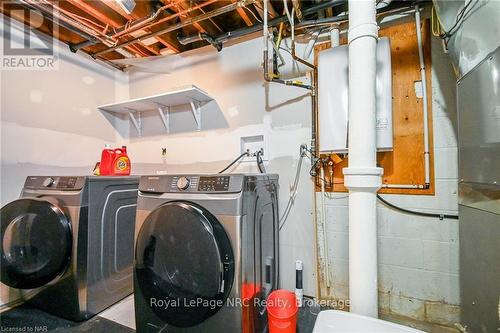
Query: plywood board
[(405, 164)]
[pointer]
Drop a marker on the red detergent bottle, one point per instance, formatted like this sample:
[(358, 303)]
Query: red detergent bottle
[(114, 162)]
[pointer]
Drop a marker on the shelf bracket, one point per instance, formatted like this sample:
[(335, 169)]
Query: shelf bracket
[(136, 120), (164, 112), (196, 108)]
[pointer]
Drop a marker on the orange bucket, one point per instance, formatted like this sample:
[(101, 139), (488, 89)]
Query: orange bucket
[(282, 311)]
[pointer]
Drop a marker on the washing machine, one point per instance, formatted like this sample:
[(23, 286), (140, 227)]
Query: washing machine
[(206, 252), (67, 243)]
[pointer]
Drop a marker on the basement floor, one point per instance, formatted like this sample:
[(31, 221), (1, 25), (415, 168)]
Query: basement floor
[(120, 319), (117, 319)]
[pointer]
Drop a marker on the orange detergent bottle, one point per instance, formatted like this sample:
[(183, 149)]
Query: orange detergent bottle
[(114, 162)]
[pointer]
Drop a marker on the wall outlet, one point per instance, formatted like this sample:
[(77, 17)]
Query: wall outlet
[(253, 144)]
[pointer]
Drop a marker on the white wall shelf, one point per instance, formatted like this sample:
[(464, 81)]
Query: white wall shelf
[(187, 95)]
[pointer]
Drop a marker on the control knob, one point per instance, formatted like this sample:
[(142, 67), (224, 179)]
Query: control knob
[(48, 182), (182, 183)]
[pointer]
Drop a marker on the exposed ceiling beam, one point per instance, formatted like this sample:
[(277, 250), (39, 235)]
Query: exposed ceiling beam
[(189, 21), (183, 6), (53, 28), (244, 16), (112, 22), (141, 12)]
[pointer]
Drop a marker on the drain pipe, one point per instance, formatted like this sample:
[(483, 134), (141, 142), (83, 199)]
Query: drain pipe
[(362, 176), (199, 37), (335, 36)]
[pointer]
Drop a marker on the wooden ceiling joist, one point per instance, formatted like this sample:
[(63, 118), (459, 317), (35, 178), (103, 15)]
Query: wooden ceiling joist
[(141, 11), (105, 30), (87, 7)]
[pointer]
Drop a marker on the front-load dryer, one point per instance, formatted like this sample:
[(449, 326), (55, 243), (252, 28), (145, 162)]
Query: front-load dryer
[(206, 252), (67, 243)]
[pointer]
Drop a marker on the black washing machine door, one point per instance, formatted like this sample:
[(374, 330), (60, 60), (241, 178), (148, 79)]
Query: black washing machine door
[(36, 243), (184, 264)]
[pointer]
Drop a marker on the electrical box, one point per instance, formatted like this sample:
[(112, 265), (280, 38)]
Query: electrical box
[(253, 144), (333, 97)]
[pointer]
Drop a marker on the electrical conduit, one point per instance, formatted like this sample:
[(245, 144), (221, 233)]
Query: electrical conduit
[(423, 79), (424, 95)]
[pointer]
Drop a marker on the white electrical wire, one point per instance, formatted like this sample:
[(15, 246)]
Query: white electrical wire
[(290, 18)]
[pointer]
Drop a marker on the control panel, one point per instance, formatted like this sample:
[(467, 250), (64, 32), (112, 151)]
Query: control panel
[(217, 183), (183, 183), (191, 183), (54, 183)]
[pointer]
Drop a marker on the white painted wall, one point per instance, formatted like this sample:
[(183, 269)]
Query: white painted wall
[(418, 256), (50, 124), (244, 105)]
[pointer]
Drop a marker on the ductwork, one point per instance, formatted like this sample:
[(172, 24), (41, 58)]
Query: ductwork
[(472, 30)]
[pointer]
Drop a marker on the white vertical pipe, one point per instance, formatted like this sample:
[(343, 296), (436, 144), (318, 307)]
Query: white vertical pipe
[(424, 95), (362, 176), (325, 231), (265, 27), (335, 36)]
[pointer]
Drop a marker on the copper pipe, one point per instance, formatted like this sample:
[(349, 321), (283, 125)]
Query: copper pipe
[(95, 13), (79, 25), (141, 24), (298, 12), (69, 26), (106, 20), (145, 25), (189, 21), (103, 37)]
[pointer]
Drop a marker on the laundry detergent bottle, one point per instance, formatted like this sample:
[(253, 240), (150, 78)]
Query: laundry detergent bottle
[(114, 162)]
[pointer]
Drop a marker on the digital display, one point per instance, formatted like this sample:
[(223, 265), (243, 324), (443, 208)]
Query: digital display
[(66, 182), (217, 183)]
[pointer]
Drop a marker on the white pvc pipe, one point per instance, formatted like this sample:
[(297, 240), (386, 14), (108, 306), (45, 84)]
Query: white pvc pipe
[(362, 176), (335, 36), (325, 232), (265, 27), (419, 186), (383, 3), (291, 18), (424, 95), (310, 45)]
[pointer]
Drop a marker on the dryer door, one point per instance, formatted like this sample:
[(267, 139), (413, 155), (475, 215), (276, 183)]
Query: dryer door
[(184, 265), (36, 243)]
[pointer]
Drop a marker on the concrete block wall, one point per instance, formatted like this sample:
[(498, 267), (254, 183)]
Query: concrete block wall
[(418, 256)]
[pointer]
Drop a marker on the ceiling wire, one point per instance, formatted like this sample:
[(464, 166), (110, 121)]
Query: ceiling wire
[(253, 14)]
